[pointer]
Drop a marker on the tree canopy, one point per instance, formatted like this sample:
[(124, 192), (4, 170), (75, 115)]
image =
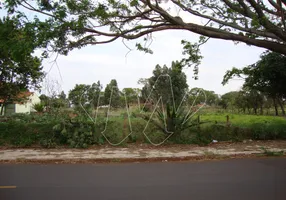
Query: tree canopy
[(19, 69), (267, 76), (85, 95), (166, 84), (65, 25), (200, 96), (112, 94), (132, 95)]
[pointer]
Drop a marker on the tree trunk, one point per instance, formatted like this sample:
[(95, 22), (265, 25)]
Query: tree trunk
[(281, 106), (2, 109), (3, 105), (275, 106), (255, 111), (261, 110)]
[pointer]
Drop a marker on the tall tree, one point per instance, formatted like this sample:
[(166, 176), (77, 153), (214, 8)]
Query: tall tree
[(112, 91), (258, 23), (199, 95), (168, 84), (131, 95), (227, 100), (268, 76), (19, 69), (60, 101), (94, 95), (167, 90), (79, 95)]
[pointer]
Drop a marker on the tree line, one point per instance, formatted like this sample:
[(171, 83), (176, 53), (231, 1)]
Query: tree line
[(262, 91), (251, 22), (264, 84)]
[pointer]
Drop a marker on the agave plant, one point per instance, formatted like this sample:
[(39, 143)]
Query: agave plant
[(172, 120)]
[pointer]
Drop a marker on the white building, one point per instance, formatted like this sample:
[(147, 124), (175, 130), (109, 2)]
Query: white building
[(30, 99)]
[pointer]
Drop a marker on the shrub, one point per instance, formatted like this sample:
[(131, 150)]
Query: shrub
[(39, 107), (20, 134), (49, 131)]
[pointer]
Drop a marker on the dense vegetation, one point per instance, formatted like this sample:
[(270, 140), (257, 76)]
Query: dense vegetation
[(163, 111), (49, 131)]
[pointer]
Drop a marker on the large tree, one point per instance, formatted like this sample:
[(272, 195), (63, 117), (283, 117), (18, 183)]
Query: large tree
[(131, 95), (19, 69), (199, 95), (168, 84), (112, 94), (167, 92), (64, 25), (268, 76), (227, 100), (94, 95), (78, 96)]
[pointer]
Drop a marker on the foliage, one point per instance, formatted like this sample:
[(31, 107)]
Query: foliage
[(86, 96), (51, 131), (19, 69), (228, 99), (168, 85), (21, 134), (60, 101), (167, 89), (112, 94), (94, 94), (74, 24), (54, 103), (131, 95), (44, 99), (76, 134), (199, 96), (78, 95), (267, 76), (174, 121), (39, 107)]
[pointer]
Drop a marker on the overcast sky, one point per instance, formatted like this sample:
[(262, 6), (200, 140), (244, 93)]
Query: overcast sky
[(109, 61)]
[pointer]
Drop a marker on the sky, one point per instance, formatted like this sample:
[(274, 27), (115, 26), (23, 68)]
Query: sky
[(111, 61)]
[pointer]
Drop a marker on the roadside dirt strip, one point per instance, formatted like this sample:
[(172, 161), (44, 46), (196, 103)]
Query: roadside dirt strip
[(144, 153)]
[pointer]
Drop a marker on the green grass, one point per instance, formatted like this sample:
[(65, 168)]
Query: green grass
[(27, 130), (243, 120)]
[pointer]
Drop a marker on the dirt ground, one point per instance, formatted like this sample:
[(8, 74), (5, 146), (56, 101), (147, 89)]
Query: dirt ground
[(141, 153)]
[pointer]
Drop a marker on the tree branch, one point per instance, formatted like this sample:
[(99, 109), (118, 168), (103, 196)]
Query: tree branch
[(265, 22), (232, 25)]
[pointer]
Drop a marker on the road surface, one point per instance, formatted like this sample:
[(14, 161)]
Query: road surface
[(242, 179)]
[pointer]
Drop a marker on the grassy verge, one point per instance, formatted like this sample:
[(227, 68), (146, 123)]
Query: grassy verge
[(58, 130)]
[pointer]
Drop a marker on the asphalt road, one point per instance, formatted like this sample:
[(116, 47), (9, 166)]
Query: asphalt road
[(244, 179)]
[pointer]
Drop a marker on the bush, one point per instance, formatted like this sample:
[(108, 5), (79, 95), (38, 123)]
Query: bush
[(21, 134), (77, 134), (22, 130), (39, 107)]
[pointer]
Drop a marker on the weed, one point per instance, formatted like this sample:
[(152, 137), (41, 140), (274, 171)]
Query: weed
[(267, 152)]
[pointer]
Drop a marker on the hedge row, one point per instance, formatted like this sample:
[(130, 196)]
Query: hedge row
[(83, 133)]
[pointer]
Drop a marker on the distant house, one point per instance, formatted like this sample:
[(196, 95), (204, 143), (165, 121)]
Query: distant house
[(25, 106)]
